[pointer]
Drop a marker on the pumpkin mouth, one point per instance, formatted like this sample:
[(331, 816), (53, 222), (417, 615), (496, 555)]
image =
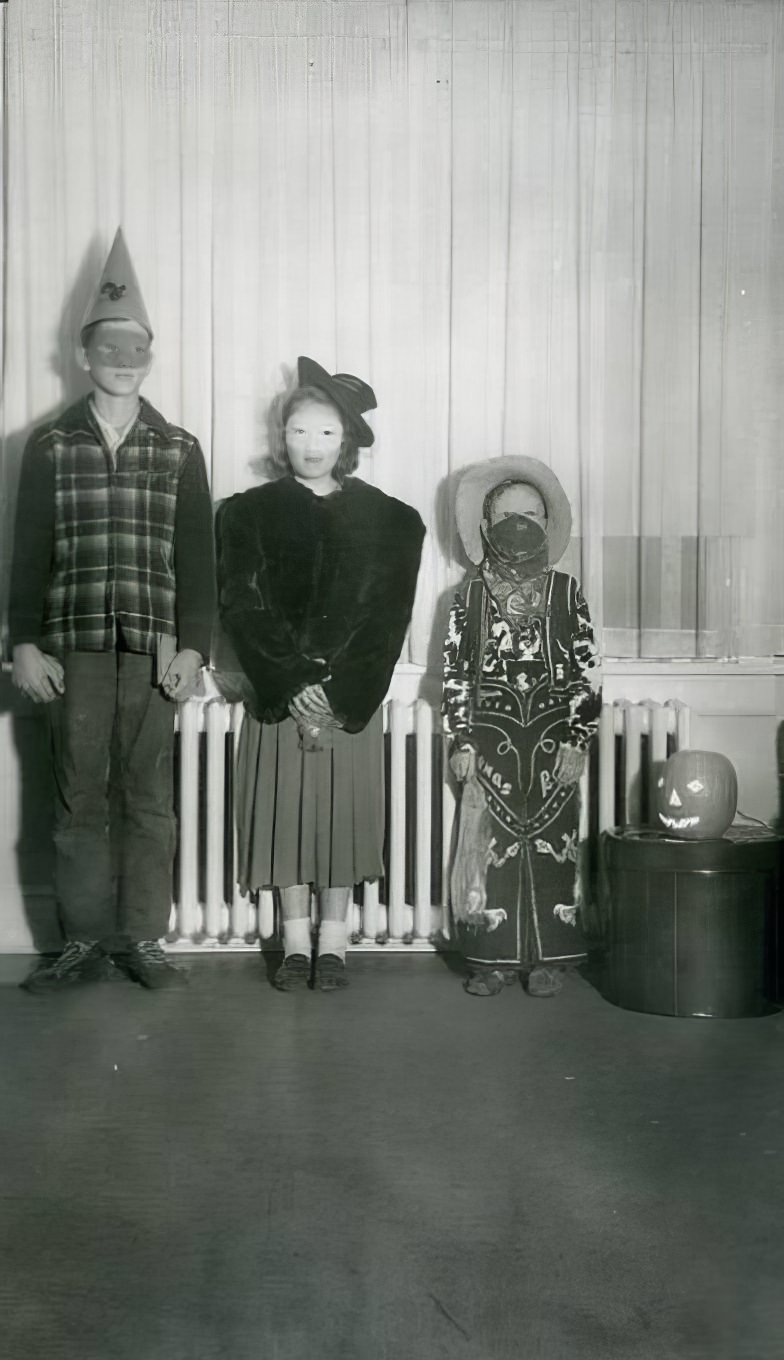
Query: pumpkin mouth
[(678, 823)]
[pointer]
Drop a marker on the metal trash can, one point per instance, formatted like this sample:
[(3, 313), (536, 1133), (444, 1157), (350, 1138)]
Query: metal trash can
[(692, 928)]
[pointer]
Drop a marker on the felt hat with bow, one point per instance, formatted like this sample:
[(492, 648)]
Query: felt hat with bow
[(350, 395)]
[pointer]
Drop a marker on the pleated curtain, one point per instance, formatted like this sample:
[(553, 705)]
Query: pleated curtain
[(550, 227)]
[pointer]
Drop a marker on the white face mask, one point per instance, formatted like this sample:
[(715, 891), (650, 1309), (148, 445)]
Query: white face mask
[(314, 439)]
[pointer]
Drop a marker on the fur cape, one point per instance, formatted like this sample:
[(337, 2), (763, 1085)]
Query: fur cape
[(317, 590)]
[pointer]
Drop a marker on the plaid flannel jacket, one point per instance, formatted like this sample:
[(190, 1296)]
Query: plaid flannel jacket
[(103, 543)]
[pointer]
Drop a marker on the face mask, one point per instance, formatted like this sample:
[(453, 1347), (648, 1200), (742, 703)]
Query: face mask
[(515, 543), (115, 347)]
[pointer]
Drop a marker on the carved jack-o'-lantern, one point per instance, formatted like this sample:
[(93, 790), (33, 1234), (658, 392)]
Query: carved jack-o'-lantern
[(697, 795)]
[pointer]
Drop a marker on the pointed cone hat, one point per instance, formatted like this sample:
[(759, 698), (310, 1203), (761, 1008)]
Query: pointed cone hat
[(118, 296)]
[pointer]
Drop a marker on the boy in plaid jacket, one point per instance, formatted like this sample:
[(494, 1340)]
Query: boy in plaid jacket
[(112, 601)]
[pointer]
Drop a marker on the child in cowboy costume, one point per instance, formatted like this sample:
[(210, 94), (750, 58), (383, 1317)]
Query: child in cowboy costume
[(521, 708), (112, 603)]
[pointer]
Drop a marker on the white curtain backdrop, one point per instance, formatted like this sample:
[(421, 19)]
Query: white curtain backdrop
[(537, 227)]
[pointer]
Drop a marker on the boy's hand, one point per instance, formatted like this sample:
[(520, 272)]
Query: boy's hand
[(180, 679), (462, 763), (38, 676), (569, 764)]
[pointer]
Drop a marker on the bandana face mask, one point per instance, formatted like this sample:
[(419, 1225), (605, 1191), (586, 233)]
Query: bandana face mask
[(111, 346), (516, 546)]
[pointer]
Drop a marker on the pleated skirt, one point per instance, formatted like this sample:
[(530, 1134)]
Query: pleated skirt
[(309, 816)]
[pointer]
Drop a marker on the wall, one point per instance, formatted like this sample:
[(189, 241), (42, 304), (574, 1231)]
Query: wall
[(554, 229)]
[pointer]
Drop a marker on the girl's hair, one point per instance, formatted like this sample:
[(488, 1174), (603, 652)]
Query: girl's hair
[(348, 458)]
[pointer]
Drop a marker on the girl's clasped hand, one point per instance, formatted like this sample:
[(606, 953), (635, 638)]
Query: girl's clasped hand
[(311, 708)]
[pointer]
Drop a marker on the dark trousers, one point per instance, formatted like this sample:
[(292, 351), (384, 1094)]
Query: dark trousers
[(113, 746)]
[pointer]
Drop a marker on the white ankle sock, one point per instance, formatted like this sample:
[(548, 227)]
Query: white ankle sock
[(332, 938), (296, 936)]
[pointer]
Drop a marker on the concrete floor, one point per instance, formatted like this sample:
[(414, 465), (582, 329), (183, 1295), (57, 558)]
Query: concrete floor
[(398, 1172)]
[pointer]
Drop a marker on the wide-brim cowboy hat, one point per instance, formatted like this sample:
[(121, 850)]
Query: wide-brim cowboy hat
[(481, 478), (350, 395)]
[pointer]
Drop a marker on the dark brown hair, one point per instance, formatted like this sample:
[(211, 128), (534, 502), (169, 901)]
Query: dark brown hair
[(348, 458), (498, 490)]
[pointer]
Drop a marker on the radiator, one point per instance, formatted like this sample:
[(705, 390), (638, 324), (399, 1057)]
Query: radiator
[(634, 739), (407, 909)]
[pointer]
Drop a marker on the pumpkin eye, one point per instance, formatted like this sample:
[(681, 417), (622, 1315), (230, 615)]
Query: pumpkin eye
[(661, 781), (695, 786)]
